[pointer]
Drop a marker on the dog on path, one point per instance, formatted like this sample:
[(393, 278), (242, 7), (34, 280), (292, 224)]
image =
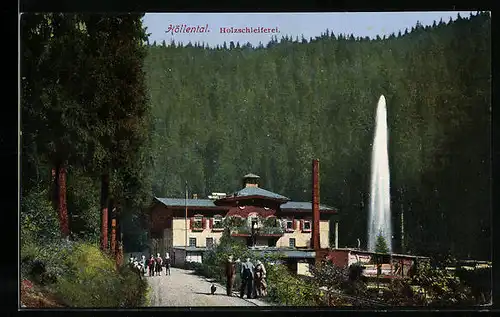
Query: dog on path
[(213, 288)]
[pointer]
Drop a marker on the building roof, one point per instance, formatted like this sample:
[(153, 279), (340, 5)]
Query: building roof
[(303, 205), (287, 253), (257, 191), (192, 249), (251, 176), (244, 211), (249, 191), (180, 202)]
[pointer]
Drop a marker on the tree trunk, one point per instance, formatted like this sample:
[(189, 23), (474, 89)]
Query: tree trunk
[(104, 211), (113, 236), (53, 187), (119, 255), (59, 198), (112, 209)]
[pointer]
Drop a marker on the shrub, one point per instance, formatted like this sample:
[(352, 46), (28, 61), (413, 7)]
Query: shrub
[(94, 280), (329, 275), (287, 289), (39, 221), (441, 287), (82, 276), (44, 264), (401, 294), (134, 291)]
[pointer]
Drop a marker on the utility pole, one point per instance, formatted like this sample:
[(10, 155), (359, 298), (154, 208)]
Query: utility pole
[(402, 223), (186, 217)]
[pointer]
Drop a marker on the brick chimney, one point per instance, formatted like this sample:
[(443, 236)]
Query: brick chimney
[(251, 180), (315, 204)]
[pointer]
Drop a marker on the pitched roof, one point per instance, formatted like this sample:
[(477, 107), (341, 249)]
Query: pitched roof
[(251, 176), (180, 202), (303, 205), (257, 191), (288, 253), (244, 211)]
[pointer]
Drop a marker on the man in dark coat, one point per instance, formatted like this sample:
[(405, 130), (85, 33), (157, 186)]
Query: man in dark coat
[(230, 275), (247, 269), (166, 263)]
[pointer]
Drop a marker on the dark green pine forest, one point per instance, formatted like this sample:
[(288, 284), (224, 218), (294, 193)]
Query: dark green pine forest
[(219, 113)]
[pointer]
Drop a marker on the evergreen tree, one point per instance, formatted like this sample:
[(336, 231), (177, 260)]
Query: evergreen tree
[(84, 75), (381, 244)]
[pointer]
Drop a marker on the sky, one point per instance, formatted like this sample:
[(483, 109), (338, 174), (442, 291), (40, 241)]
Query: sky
[(309, 25)]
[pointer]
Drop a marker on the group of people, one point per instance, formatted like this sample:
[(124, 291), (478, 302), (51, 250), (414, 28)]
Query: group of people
[(154, 265), (253, 278)]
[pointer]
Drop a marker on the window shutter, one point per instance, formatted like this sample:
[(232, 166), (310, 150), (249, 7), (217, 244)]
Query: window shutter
[(191, 221), (301, 224), (294, 226), (203, 222), (211, 224)]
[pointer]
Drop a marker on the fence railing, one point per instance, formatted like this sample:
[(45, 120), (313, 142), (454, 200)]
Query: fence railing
[(260, 231), (241, 230)]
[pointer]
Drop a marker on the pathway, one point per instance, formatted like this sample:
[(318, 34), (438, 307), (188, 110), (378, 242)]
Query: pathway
[(185, 288)]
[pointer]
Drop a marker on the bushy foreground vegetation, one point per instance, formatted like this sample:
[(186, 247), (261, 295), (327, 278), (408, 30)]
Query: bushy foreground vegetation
[(78, 274)]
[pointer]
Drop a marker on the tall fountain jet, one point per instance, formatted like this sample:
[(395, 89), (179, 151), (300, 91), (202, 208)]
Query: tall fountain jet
[(380, 203)]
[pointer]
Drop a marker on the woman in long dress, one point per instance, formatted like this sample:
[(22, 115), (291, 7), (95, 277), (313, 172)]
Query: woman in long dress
[(260, 280)]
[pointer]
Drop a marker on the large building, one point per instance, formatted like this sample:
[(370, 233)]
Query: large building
[(186, 228)]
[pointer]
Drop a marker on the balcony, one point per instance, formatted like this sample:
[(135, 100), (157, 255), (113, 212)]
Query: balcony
[(246, 231), (241, 231), (270, 232)]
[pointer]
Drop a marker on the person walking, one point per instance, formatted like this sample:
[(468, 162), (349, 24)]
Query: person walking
[(143, 265), (166, 262), (151, 265), (260, 280), (230, 275), (247, 269), (159, 264)]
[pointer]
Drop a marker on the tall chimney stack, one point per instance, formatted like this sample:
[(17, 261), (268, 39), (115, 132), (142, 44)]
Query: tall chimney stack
[(315, 204)]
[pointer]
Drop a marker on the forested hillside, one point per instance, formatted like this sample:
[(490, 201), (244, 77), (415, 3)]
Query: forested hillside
[(221, 113)]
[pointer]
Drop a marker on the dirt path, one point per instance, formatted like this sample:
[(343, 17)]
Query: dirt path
[(184, 288)]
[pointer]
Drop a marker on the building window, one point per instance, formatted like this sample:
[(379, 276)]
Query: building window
[(210, 242), (289, 225), (197, 223), (307, 225), (192, 242), (217, 222), (291, 242)]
